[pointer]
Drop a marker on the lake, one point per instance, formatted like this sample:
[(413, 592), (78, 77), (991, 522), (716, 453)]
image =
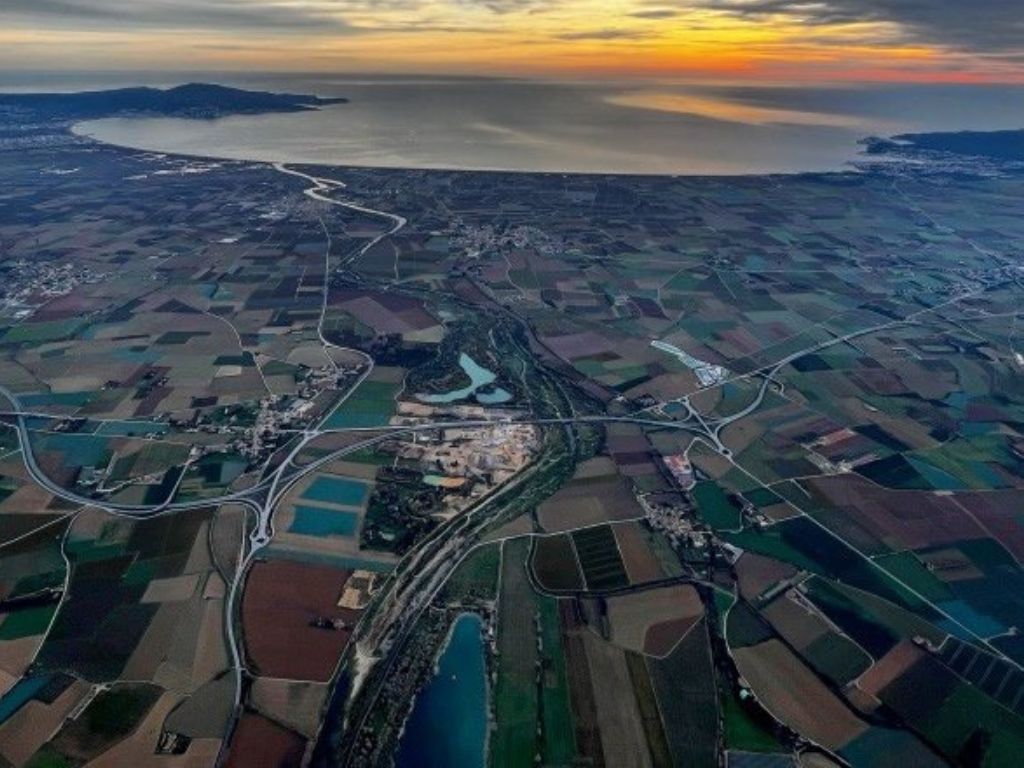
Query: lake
[(448, 724), (634, 127), (479, 377)]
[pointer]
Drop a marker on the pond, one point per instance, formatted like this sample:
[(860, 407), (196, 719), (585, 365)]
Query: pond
[(479, 378)]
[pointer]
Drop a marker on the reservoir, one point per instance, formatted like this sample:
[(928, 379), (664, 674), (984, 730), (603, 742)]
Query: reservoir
[(448, 724)]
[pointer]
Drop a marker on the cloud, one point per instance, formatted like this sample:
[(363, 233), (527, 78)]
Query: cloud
[(977, 26), (656, 13), (604, 34), (176, 14), (326, 16), (503, 7)]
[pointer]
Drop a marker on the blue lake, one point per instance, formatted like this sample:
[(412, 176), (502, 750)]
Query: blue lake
[(495, 397), (448, 725), (479, 377)]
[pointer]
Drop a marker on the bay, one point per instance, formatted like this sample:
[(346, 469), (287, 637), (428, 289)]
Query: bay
[(537, 126)]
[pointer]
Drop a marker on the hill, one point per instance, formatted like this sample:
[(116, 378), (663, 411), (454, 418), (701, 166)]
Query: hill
[(200, 100)]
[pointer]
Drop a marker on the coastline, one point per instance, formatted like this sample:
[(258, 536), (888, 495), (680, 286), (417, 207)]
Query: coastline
[(850, 169), (398, 189), (540, 132)]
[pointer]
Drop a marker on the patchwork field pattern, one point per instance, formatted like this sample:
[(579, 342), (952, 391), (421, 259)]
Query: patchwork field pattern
[(734, 478)]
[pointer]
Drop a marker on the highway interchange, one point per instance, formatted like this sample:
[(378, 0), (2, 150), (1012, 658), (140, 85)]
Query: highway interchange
[(424, 570)]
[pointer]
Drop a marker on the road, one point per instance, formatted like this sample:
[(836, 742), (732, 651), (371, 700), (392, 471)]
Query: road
[(423, 572), (415, 583), (279, 481)]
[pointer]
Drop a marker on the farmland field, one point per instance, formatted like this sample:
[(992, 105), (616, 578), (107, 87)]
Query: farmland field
[(554, 564), (281, 601), (369, 406), (725, 467), (619, 718), (599, 557), (581, 690), (559, 747), (516, 701), (261, 743), (793, 694), (655, 620), (684, 683)]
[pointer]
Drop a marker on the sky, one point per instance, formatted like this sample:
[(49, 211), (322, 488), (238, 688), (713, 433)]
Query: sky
[(685, 40)]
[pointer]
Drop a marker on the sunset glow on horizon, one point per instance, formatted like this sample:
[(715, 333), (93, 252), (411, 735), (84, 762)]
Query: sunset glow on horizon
[(763, 40)]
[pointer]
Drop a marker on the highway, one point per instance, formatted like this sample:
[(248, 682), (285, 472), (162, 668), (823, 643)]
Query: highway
[(278, 482), (422, 572)]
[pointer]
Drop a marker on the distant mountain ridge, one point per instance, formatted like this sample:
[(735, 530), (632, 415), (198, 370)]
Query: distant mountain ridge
[(198, 100)]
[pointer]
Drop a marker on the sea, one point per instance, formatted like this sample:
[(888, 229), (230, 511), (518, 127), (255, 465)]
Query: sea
[(627, 127)]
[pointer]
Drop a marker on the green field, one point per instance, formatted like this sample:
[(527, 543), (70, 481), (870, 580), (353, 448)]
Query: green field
[(809, 546), (716, 508), (371, 405), (837, 658), (687, 695), (559, 744), (476, 576), (109, 718), (26, 622), (743, 731), (514, 742), (599, 557), (873, 623), (908, 569), (38, 333)]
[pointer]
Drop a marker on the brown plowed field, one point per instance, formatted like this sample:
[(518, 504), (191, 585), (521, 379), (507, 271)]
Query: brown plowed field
[(889, 667), (281, 600), (261, 743), (756, 574), (899, 519), (641, 563), (792, 693), (662, 637), (653, 621)]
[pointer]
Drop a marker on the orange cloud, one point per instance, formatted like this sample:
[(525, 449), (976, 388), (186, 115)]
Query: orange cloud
[(558, 38)]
